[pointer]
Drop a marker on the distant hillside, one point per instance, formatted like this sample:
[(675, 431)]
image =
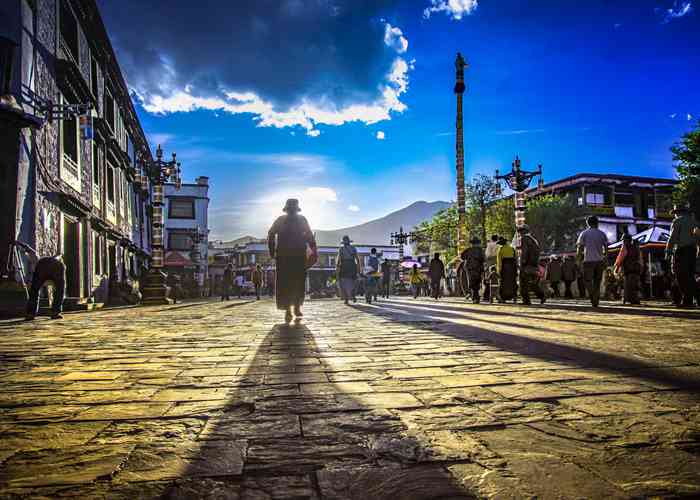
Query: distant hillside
[(238, 241), (376, 232)]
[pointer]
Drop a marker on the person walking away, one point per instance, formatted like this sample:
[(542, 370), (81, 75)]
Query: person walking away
[(347, 269), (226, 283), (415, 279), (474, 259), (529, 266), (554, 274), (239, 281), (580, 282), (257, 279), (373, 262), (386, 278), (490, 254), (436, 271), (507, 269), (568, 275), (629, 264), (493, 283), (287, 240), (592, 244), (681, 250), (270, 279), (43, 270)]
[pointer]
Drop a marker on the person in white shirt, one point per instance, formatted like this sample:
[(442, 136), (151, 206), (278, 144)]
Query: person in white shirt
[(239, 284), (593, 248)]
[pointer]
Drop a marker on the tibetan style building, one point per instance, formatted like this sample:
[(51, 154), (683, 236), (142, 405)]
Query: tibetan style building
[(71, 147)]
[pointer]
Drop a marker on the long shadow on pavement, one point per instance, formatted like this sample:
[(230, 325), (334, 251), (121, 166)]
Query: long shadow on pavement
[(286, 440), (547, 350)]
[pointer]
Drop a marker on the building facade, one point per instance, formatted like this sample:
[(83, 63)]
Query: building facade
[(186, 231), (71, 148), (623, 203)]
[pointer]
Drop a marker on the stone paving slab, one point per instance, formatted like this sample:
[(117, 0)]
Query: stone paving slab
[(404, 399)]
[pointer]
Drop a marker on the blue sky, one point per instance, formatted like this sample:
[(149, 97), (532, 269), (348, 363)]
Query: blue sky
[(348, 104)]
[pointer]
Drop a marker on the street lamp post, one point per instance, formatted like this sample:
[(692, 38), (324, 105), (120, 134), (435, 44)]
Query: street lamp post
[(160, 172), (400, 238), (519, 180)]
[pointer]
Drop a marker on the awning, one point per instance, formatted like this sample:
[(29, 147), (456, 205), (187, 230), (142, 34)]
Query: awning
[(656, 236)]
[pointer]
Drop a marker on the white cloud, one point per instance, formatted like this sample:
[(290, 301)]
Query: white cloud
[(679, 9), (380, 135), (688, 116), (353, 208), (520, 131), (307, 114), (313, 132), (160, 138), (455, 9), (393, 37), (672, 115)]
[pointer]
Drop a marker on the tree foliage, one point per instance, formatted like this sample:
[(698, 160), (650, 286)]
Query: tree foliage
[(686, 154), (439, 234), (554, 221), (481, 192)]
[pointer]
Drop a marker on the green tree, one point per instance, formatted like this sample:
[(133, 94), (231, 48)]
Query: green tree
[(481, 192), (555, 221), (500, 218), (439, 234), (686, 154)]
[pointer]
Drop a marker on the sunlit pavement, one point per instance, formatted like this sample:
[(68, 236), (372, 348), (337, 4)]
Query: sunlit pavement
[(404, 399)]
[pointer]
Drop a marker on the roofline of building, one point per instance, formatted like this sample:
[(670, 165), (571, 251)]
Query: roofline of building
[(621, 177)]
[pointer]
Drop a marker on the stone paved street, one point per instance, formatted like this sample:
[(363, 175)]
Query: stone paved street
[(408, 399)]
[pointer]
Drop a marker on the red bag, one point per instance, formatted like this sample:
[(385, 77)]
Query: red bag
[(311, 256)]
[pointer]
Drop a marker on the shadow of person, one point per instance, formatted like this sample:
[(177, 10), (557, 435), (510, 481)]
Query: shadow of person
[(295, 430)]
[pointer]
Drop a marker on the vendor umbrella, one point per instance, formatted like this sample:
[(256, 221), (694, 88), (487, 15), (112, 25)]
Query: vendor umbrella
[(409, 264)]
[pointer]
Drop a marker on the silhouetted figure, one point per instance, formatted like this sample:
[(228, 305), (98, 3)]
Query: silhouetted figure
[(490, 254), (554, 274), (45, 269), (347, 269), (227, 282), (529, 266), (682, 250), (474, 260), (568, 275), (436, 272), (257, 279), (386, 278), (288, 239), (629, 263), (593, 244), (373, 262), (416, 280)]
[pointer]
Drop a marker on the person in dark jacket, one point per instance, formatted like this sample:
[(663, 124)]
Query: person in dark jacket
[(436, 271), (44, 269), (226, 283), (529, 264), (386, 278), (554, 273), (474, 259), (569, 273), (629, 263), (288, 240), (682, 251)]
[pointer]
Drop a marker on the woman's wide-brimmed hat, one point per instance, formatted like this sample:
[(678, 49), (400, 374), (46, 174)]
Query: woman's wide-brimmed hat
[(292, 205), (346, 239)]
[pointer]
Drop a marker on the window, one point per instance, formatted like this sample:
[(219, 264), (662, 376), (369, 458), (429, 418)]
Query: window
[(181, 208), (69, 32), (179, 240), (625, 199), (110, 183), (96, 254), (595, 199), (95, 164), (93, 78), (70, 151), (109, 109), (331, 261)]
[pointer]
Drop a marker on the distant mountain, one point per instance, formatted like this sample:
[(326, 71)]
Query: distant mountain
[(238, 241), (377, 231)]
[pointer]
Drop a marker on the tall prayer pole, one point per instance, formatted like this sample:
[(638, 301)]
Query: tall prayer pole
[(460, 64)]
